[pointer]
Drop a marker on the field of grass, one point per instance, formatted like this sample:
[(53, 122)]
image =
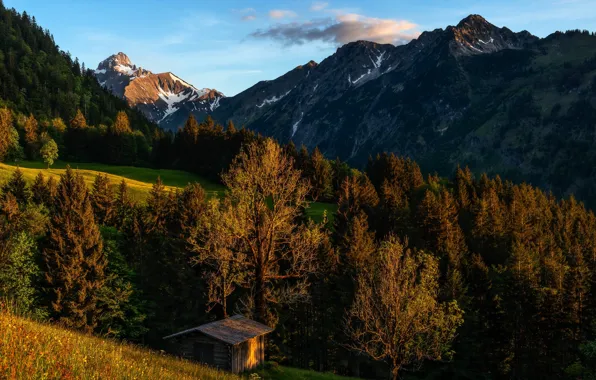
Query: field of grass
[(139, 180), (173, 178), (33, 350)]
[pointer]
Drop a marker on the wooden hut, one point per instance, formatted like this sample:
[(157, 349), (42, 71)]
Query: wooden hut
[(233, 344)]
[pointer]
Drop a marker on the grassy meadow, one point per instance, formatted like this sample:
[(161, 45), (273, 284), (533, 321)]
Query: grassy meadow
[(33, 350), (139, 180)]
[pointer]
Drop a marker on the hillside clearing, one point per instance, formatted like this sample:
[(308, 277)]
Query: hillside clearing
[(139, 180)]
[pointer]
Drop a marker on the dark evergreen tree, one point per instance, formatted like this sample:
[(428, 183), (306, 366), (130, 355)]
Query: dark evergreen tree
[(74, 258)]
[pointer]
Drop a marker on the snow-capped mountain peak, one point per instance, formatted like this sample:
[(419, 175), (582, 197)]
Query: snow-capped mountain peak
[(164, 98)]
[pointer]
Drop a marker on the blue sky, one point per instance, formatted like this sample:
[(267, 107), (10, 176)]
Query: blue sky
[(230, 45)]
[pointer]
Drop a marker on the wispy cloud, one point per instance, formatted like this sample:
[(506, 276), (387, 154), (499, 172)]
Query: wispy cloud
[(318, 6), (281, 13), (341, 29), (249, 18)]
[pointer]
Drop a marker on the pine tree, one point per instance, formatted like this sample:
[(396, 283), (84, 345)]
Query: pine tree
[(231, 128), (321, 176), (41, 193), (73, 255), (17, 186), (102, 200)]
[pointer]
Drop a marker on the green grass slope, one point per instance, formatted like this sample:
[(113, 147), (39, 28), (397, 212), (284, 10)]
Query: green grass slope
[(139, 180)]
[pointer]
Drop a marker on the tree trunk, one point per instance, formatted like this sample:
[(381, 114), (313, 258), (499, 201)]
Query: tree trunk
[(260, 296)]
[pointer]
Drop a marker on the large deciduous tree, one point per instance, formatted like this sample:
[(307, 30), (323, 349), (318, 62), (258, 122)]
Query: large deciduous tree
[(257, 228), (396, 316)]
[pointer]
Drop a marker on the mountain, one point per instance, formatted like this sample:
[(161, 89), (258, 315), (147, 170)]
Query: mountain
[(472, 94), (163, 98), (368, 97)]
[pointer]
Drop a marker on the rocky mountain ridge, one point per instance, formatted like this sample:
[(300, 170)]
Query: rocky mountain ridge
[(158, 96)]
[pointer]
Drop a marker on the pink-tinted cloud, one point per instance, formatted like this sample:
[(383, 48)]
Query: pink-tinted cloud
[(281, 13), (341, 29)]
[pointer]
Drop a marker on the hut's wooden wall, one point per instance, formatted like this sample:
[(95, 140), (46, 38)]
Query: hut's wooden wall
[(249, 354), (221, 351)]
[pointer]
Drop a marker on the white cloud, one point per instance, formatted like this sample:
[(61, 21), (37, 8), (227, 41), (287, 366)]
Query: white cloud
[(281, 13), (249, 18), (341, 29), (318, 6)]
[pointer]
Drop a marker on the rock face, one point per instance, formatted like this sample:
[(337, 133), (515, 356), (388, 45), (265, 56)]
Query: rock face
[(163, 98), (473, 94), (368, 97)]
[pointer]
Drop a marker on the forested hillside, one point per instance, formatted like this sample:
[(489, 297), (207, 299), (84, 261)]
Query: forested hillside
[(460, 276)]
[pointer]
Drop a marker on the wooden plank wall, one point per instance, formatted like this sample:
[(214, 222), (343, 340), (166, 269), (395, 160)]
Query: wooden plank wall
[(221, 352), (248, 355)]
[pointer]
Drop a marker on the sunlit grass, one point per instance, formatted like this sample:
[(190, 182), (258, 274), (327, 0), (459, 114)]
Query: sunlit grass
[(32, 350), (139, 180)]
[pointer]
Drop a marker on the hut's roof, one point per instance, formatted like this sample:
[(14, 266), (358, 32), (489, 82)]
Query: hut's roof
[(233, 330)]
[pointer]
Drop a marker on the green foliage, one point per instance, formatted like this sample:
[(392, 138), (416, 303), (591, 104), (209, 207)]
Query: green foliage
[(19, 274), (49, 152)]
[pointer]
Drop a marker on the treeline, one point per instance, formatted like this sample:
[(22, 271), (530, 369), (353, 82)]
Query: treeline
[(208, 149), (505, 271)]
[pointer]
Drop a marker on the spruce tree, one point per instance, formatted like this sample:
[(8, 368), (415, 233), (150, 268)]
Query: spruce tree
[(74, 257), (40, 192), (102, 200), (17, 186)]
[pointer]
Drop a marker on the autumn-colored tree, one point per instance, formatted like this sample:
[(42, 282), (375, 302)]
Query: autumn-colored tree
[(8, 135), (31, 130), (102, 200), (396, 316), (79, 121), (441, 234), (257, 225), (74, 257), (31, 136), (122, 124), (231, 128), (59, 125)]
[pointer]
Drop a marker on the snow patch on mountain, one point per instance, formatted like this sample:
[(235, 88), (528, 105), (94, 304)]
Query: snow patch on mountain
[(273, 99), (295, 126)]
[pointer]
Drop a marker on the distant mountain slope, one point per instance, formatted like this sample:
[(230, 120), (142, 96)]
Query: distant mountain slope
[(163, 98), (473, 94)]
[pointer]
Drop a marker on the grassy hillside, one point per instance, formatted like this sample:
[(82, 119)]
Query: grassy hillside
[(31, 350), (138, 179), (139, 188)]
